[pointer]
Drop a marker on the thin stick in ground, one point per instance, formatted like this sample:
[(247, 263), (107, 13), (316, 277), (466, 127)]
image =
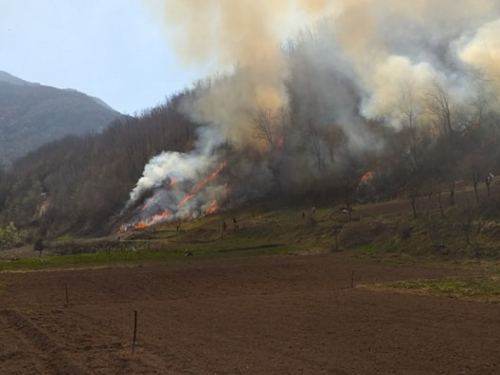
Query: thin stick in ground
[(66, 294), (134, 338)]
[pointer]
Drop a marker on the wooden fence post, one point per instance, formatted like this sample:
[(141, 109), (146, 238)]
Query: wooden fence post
[(134, 338)]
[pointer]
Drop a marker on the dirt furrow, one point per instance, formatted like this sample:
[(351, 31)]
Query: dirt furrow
[(47, 349)]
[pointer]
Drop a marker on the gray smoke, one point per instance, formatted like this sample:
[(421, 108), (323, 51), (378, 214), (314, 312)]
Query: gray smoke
[(332, 65)]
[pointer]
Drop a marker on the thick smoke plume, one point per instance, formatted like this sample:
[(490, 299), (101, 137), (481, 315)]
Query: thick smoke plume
[(303, 81)]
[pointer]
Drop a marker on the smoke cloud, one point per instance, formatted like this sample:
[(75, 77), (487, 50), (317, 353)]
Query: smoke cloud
[(330, 64), (379, 42)]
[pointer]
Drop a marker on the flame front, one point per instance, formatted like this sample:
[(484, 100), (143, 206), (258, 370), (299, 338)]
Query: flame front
[(196, 188), (368, 175), (169, 193), (141, 225), (213, 207), (186, 199)]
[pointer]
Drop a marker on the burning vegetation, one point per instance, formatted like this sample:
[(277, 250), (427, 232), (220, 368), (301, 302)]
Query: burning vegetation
[(369, 86), (373, 99), (166, 203)]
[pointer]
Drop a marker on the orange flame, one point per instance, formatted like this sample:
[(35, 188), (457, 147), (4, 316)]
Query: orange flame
[(141, 225), (213, 207), (185, 200), (159, 217), (366, 177), (196, 188)]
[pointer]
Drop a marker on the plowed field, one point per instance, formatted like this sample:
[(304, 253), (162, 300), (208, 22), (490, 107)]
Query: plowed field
[(267, 315)]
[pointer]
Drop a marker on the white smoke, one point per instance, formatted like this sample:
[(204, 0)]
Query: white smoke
[(179, 168), (367, 59), (482, 52)]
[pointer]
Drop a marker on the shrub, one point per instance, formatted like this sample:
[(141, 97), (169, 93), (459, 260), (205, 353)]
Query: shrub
[(9, 236)]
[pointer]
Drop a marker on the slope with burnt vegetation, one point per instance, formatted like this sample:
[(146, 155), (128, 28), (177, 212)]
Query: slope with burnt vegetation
[(78, 183), (325, 133)]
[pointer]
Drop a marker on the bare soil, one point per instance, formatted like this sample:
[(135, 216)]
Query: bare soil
[(267, 315)]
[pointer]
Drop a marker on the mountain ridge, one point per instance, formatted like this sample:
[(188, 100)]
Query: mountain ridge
[(32, 114), (9, 78)]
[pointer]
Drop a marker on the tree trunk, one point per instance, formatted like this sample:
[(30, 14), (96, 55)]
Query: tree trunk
[(440, 204), (413, 205)]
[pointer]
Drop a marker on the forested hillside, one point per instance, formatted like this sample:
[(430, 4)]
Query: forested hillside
[(32, 115), (78, 183), (318, 120)]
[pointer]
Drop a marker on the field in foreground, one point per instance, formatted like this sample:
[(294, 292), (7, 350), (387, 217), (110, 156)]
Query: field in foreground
[(264, 315)]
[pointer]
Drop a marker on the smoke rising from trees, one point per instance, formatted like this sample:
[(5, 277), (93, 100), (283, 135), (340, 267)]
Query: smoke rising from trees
[(313, 92), (313, 101), (380, 46)]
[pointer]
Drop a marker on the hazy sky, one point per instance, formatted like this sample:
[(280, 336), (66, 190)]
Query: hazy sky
[(112, 49)]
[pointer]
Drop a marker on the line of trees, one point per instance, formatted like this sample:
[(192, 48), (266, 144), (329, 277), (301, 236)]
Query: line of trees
[(77, 184), (318, 147)]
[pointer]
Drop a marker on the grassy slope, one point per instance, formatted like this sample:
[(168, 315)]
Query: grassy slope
[(259, 233), (467, 236)]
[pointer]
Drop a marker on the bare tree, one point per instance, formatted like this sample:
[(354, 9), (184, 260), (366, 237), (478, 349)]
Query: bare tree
[(439, 105), (264, 121), (269, 126), (409, 121)]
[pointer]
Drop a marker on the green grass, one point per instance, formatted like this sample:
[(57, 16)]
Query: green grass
[(259, 233), (374, 235), (143, 256), (484, 288)]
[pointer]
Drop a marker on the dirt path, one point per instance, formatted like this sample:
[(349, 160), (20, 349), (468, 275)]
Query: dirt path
[(279, 315)]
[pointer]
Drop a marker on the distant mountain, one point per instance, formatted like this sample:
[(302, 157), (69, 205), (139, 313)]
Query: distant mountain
[(32, 114), (9, 78)]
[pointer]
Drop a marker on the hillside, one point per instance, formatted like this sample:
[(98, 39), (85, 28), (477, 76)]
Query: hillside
[(320, 135), (9, 78), (32, 115)]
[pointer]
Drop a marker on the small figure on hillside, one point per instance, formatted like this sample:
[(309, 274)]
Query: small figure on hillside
[(38, 246), (452, 197), (303, 215), (177, 227), (313, 210), (235, 222), (489, 178), (223, 229)]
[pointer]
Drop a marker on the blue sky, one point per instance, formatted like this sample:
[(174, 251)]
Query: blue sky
[(112, 49)]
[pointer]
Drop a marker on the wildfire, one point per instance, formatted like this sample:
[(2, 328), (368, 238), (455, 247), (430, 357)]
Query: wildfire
[(196, 188), (157, 218), (366, 177), (185, 200), (213, 207), (141, 225)]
